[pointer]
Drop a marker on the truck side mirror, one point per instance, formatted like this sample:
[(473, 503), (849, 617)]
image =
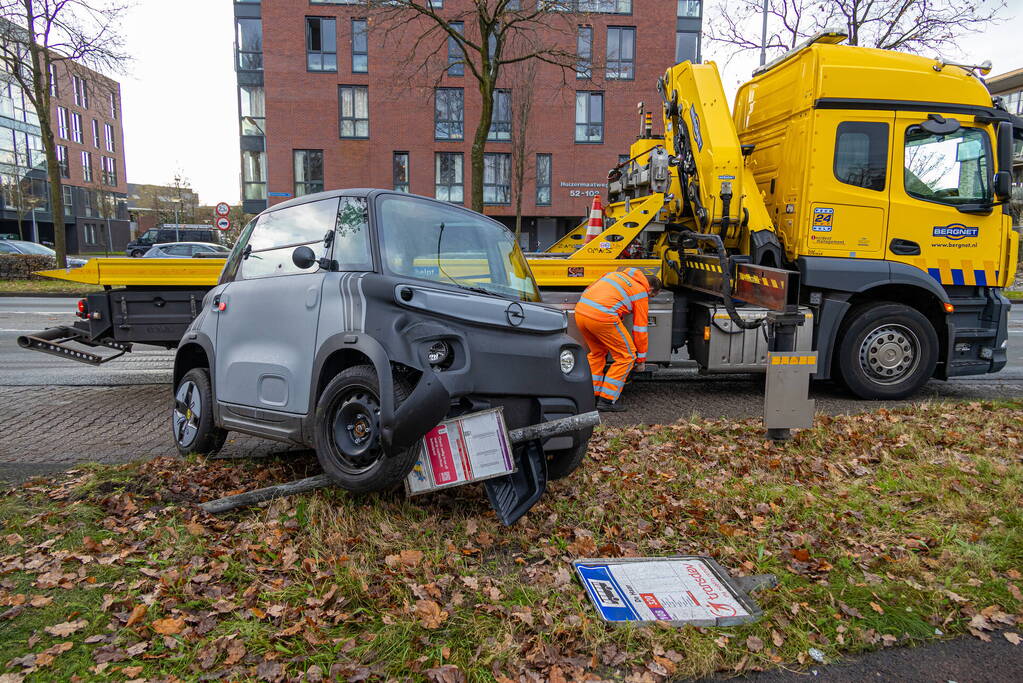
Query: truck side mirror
[(303, 257), (1003, 179), (939, 125)]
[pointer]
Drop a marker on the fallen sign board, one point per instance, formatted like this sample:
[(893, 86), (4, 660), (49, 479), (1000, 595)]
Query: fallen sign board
[(469, 448), (678, 590)]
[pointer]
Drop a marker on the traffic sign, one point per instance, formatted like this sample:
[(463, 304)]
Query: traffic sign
[(223, 223), (223, 208)]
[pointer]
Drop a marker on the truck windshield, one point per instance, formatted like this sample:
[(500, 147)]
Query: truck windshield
[(431, 241), (948, 169)]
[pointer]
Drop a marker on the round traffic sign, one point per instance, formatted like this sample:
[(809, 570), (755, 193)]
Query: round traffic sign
[(223, 223), (223, 208)]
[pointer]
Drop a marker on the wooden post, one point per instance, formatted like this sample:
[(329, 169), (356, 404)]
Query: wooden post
[(537, 431)]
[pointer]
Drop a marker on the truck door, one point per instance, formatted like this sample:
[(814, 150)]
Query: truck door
[(848, 182), (937, 223), (268, 315)]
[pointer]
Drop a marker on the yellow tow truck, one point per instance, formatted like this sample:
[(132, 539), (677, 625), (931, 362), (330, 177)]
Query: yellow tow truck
[(861, 193)]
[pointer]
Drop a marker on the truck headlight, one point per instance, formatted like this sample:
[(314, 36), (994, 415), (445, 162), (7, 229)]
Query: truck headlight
[(567, 361), (438, 352)]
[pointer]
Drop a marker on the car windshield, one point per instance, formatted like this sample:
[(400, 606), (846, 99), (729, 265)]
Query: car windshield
[(433, 241), (33, 248)]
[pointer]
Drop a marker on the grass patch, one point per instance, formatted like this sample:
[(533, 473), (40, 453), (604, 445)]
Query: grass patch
[(889, 528), (1012, 294), (47, 286)]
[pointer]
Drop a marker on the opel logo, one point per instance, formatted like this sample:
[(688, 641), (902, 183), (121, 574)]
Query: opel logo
[(516, 316)]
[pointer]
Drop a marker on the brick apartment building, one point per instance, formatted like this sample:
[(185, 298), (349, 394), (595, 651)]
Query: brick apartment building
[(86, 114), (328, 99)]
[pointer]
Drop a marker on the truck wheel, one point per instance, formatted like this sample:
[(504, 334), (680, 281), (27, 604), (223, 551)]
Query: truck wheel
[(886, 350), (192, 416), (348, 433), (560, 464)]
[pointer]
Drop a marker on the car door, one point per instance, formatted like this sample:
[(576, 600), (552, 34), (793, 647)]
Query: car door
[(268, 314)]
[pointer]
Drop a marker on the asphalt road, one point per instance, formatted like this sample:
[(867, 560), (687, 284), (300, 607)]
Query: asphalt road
[(56, 412)]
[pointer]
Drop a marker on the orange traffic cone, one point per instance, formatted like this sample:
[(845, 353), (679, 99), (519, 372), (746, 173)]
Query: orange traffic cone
[(596, 224)]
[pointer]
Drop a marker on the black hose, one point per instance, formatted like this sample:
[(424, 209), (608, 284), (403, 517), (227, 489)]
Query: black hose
[(726, 277)]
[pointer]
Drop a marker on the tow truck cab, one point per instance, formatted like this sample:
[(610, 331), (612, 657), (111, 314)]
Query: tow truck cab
[(355, 321)]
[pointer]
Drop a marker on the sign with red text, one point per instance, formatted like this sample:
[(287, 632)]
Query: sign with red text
[(469, 448)]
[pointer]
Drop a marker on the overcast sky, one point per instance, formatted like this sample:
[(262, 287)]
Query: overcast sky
[(180, 111)]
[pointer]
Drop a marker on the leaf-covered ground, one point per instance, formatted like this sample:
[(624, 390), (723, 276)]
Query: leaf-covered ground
[(884, 529)]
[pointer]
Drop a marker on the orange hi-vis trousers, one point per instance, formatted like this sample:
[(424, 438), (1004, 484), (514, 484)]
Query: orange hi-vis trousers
[(603, 337), (598, 315)]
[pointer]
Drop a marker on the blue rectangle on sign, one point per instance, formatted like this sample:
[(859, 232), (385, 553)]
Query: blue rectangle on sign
[(279, 194), (606, 594)]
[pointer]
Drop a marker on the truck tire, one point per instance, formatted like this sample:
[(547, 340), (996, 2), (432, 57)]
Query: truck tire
[(347, 433), (192, 423), (560, 464), (886, 350)]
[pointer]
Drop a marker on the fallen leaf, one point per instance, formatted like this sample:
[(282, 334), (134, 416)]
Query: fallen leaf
[(448, 673), (168, 626), (777, 639), (235, 652), (137, 614), (67, 628), (430, 614), (877, 608), (801, 554), (754, 644), (40, 600), (1012, 637), (195, 529), (131, 671)]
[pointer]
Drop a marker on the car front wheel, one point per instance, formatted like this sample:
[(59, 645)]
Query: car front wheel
[(347, 432)]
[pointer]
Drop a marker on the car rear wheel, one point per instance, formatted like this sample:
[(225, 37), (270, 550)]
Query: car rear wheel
[(192, 415), (887, 350), (347, 433)]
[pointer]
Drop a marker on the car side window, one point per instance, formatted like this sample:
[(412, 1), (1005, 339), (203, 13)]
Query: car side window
[(948, 169), (277, 234), (7, 249), (351, 239), (861, 154)]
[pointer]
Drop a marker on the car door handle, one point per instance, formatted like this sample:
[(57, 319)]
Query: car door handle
[(903, 247)]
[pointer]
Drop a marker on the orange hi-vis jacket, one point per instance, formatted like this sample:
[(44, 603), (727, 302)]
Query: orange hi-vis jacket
[(614, 296)]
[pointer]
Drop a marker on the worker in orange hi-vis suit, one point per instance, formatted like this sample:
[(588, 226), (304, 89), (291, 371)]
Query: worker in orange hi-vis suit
[(598, 315)]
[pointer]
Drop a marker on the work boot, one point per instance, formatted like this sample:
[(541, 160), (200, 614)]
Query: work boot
[(605, 406)]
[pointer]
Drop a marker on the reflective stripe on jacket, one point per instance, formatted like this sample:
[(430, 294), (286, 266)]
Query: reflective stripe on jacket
[(616, 295)]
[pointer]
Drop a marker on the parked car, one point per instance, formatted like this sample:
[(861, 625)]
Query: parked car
[(355, 321), (187, 250), (33, 249), (140, 245)]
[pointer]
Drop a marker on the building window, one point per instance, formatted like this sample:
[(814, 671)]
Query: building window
[(436, 4), (69, 207), (449, 181), (62, 161), (109, 171), (87, 202), (54, 88), (87, 166), (76, 127), (250, 44), (62, 125), (360, 46), (308, 171), (254, 175), (253, 112), (543, 179), (354, 111), (400, 172), (449, 113), (687, 46), (321, 44), (501, 121), (81, 91), (589, 117), (108, 132), (496, 178), (584, 48), (112, 102), (621, 53), (593, 6), (95, 133), (689, 9), (456, 59)]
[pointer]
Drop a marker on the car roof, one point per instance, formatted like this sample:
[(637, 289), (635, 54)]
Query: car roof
[(175, 244)]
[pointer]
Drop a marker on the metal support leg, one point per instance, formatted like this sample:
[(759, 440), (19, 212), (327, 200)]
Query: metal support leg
[(788, 376)]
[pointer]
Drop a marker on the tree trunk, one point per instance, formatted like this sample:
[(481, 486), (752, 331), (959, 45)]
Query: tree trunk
[(479, 141), (40, 76)]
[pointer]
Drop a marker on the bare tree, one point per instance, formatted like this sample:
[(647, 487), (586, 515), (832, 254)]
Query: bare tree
[(522, 109), (919, 26), (497, 33), (38, 35)]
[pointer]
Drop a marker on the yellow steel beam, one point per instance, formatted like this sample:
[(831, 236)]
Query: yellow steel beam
[(570, 242), (120, 272), (610, 243), (557, 272)]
